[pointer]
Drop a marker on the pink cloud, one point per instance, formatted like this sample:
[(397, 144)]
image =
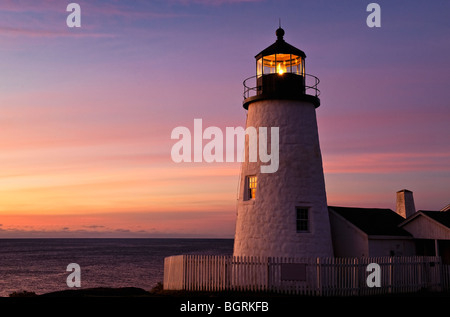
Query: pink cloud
[(49, 33), (218, 224), (387, 162)]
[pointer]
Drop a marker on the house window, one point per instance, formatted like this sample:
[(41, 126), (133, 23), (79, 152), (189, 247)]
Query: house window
[(302, 219), (251, 187)]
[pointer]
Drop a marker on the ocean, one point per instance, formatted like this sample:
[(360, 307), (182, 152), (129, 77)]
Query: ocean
[(39, 265)]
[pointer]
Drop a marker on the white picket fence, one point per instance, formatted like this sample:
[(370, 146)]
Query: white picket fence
[(305, 276)]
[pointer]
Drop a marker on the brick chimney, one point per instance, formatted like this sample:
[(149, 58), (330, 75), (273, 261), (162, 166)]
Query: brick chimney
[(405, 203)]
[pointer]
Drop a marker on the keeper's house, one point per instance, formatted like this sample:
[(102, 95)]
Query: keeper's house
[(362, 232)]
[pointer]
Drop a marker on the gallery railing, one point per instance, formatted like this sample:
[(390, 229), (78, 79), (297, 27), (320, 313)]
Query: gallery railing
[(311, 86)]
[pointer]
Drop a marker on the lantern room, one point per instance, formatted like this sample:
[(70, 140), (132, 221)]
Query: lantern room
[(280, 74), (280, 63), (280, 58)]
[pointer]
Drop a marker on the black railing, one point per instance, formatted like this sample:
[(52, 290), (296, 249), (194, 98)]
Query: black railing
[(311, 84)]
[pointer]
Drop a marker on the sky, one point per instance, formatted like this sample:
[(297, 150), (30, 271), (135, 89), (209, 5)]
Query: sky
[(86, 114)]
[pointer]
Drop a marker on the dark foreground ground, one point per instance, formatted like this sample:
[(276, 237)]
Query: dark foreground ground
[(157, 302)]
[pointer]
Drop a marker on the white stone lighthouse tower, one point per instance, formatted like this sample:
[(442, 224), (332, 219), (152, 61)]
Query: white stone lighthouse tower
[(283, 213)]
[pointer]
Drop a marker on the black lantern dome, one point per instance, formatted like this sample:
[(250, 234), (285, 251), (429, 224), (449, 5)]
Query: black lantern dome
[(280, 57), (280, 74)]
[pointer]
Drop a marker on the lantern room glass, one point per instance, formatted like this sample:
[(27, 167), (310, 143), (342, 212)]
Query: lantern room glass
[(280, 63)]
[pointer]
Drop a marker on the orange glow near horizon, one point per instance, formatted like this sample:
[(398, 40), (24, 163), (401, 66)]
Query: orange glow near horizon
[(113, 190)]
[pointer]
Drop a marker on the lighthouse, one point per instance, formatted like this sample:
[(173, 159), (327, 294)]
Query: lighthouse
[(283, 213)]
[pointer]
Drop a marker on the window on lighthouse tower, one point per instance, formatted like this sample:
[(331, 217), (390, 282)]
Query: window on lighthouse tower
[(302, 219), (251, 187)]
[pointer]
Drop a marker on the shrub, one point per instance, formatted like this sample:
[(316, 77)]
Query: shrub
[(22, 294)]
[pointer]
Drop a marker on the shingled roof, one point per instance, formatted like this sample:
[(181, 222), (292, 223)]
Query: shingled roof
[(373, 221), (443, 217)]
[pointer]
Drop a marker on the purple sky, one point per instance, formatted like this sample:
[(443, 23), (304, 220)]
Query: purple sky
[(87, 113)]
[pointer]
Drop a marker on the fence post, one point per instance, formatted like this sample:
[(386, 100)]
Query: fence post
[(318, 273), (441, 273), (391, 278)]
